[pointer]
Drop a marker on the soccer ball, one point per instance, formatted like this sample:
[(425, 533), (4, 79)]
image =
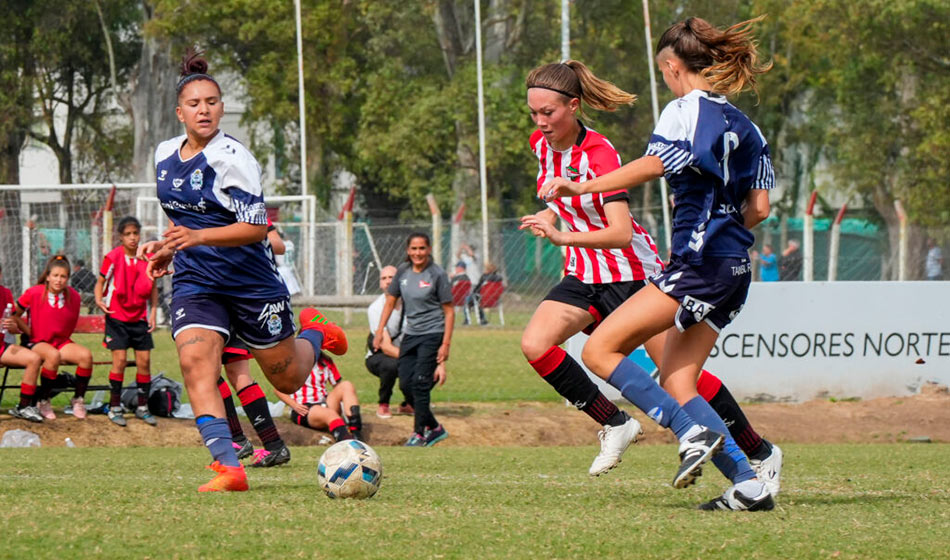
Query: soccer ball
[(350, 469)]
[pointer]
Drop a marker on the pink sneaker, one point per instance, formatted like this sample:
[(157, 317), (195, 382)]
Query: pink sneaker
[(46, 409), (79, 407), (383, 411)]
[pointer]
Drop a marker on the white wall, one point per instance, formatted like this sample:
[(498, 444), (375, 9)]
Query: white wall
[(797, 341)]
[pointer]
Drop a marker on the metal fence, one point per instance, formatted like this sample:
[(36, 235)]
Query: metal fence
[(37, 222)]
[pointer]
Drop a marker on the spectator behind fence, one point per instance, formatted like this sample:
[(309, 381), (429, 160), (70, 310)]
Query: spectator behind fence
[(384, 362), (491, 275), (934, 264), (790, 266), (53, 309), (768, 265), (458, 277)]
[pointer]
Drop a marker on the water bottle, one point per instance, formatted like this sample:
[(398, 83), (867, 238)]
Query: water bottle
[(7, 337), (69, 442)]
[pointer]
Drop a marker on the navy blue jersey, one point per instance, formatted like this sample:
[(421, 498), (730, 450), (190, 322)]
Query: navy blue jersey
[(712, 156), (219, 186)]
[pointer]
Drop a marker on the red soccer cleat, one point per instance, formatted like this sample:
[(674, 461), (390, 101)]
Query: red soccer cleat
[(229, 479), (334, 339)]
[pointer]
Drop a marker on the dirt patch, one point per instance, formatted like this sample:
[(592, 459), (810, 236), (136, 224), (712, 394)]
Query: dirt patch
[(541, 424)]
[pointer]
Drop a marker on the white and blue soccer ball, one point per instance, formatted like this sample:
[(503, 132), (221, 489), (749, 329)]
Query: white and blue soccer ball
[(350, 469)]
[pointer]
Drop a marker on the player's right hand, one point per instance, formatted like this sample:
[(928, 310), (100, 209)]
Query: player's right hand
[(147, 248), (105, 308), (559, 187), (159, 264)]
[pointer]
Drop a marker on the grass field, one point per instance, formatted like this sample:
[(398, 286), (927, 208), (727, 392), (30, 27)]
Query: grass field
[(852, 501)]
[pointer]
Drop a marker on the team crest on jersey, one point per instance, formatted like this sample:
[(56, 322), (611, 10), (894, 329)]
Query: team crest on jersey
[(197, 180), (573, 173), (423, 284), (176, 184)]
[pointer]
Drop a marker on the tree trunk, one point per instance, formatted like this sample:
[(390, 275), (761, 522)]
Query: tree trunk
[(153, 103)]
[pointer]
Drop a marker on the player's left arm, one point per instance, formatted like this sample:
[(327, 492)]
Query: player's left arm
[(755, 208)]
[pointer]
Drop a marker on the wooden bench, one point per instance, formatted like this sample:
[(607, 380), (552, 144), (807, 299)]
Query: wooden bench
[(87, 324)]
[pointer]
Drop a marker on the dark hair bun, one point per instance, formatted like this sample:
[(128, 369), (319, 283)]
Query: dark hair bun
[(193, 63)]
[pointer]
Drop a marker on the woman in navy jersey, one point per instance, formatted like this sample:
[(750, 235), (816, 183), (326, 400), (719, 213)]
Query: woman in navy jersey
[(609, 257), (718, 165), (225, 279)]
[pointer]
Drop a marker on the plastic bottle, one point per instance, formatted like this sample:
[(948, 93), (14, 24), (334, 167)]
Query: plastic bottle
[(7, 313), (19, 438), (69, 442)]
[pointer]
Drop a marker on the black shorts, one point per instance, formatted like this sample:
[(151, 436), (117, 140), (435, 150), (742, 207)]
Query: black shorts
[(713, 291), (599, 300), (120, 335), (235, 350), (296, 418)]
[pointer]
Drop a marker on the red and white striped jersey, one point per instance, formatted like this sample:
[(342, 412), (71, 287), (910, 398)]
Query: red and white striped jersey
[(315, 389), (595, 156)]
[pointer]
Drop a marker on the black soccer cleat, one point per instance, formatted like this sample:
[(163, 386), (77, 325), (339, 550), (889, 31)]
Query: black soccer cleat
[(265, 458), (694, 451)]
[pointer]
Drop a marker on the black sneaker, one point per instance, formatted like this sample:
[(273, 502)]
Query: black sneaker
[(734, 500), (30, 413), (265, 458), (694, 451), (435, 435)]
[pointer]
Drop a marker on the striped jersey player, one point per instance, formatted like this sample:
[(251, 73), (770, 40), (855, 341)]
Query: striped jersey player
[(591, 156)]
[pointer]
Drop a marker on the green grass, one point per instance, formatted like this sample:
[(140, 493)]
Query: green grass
[(485, 364), (838, 501)]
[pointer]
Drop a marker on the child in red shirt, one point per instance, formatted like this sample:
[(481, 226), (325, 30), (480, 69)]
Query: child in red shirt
[(14, 355), (53, 309), (124, 292)]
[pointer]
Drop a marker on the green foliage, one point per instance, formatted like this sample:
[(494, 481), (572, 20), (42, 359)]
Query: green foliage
[(838, 501)]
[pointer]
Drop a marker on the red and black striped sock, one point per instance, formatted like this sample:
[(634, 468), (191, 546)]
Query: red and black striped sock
[(83, 375), (115, 387), (143, 385), (712, 389), (570, 380), (27, 392), (47, 379), (255, 406), (234, 423)]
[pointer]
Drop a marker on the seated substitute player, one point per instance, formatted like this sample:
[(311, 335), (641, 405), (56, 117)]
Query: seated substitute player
[(314, 407), (225, 278), (53, 309), (14, 355), (129, 298), (384, 361)]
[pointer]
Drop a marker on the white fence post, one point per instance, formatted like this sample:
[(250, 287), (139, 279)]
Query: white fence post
[(902, 242), (835, 244), (436, 229)]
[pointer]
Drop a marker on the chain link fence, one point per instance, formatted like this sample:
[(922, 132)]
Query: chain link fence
[(39, 222)]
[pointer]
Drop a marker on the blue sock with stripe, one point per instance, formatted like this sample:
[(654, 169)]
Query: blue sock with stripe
[(315, 338), (636, 385), (217, 437), (732, 462)]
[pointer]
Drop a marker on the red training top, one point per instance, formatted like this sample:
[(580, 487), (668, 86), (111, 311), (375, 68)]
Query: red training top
[(52, 317), (6, 296), (592, 157), (128, 287)]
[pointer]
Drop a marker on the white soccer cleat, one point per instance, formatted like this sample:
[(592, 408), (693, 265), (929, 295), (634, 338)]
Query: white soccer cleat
[(769, 470), (614, 440), (750, 495)]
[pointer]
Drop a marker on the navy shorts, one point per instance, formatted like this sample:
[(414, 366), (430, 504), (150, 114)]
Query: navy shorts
[(259, 324), (713, 291), (599, 300)]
